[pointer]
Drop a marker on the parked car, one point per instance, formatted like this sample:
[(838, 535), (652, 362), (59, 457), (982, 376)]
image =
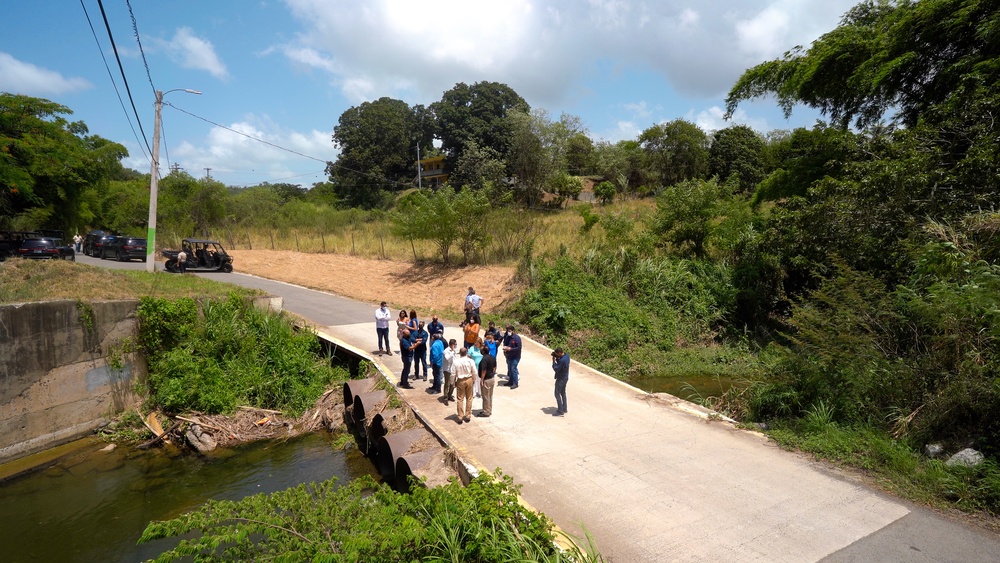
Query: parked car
[(45, 248), (124, 249), (202, 256), (92, 241)]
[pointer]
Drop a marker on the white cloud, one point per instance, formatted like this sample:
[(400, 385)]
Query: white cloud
[(711, 120), (231, 155), (190, 51), (25, 78), (541, 48)]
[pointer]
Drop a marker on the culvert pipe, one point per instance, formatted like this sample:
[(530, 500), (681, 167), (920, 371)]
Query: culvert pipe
[(412, 465), (380, 424), (364, 404), (391, 447), (355, 387)]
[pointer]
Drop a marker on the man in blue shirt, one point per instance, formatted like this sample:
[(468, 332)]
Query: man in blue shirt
[(560, 365), (406, 346), (435, 326), (437, 360), (512, 351)]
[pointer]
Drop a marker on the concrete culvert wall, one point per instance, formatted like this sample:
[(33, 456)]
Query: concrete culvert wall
[(392, 447), (363, 404), (409, 465)]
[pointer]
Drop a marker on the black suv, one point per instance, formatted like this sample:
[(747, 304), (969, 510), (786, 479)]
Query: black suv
[(45, 248), (93, 242), (124, 249)]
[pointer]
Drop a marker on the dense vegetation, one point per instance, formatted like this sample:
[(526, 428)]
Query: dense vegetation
[(365, 521), (229, 353), (849, 270)]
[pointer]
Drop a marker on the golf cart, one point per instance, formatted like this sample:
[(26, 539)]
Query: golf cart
[(202, 256)]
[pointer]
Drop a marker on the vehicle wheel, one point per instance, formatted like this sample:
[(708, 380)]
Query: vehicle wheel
[(227, 268), (119, 256), (171, 266)]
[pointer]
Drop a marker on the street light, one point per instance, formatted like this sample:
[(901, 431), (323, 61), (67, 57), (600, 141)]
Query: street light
[(154, 179)]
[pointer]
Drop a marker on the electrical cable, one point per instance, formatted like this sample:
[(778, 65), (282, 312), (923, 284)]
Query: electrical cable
[(135, 30), (113, 83), (121, 69)]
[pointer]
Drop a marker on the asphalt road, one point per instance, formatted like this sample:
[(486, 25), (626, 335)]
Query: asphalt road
[(653, 478)]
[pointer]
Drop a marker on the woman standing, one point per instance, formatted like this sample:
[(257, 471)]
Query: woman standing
[(476, 353), (401, 323)]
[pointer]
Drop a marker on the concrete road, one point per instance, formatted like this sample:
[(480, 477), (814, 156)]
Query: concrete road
[(654, 478)]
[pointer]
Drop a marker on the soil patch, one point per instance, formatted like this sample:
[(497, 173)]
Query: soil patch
[(428, 288)]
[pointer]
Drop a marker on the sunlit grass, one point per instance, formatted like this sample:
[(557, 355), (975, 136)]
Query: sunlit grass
[(44, 280)]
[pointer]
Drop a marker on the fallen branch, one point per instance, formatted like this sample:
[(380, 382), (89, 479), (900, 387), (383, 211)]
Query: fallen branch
[(259, 409), (200, 423), (159, 438)]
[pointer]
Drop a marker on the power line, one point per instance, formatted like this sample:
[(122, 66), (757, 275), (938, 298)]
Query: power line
[(121, 69), (135, 29), (112, 77)]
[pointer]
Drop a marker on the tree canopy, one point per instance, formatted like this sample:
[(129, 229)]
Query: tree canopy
[(476, 113)]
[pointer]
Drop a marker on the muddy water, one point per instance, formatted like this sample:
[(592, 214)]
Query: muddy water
[(92, 505)]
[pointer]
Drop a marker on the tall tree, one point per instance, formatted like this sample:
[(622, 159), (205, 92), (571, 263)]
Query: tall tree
[(476, 113), (737, 150), (51, 170), (378, 149), (902, 56), (675, 151)]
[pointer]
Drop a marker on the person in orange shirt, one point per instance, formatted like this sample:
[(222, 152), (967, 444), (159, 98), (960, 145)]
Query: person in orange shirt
[(471, 329)]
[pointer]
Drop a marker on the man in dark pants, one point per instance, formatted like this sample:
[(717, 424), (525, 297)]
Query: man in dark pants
[(420, 352), (382, 317), (560, 365), (487, 373), (435, 326), (406, 347), (512, 351)]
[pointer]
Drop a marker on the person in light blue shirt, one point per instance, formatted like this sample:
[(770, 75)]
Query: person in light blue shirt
[(437, 360)]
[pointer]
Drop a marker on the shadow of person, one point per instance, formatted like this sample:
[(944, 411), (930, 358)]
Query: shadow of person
[(550, 410)]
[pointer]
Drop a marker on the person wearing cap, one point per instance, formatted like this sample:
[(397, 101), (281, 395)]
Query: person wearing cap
[(512, 352), (382, 317), (494, 332)]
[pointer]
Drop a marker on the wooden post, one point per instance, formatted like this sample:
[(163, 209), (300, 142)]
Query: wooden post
[(296, 233), (271, 234), (322, 235), (352, 244), (249, 240)]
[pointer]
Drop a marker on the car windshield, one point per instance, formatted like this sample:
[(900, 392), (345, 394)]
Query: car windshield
[(36, 243)]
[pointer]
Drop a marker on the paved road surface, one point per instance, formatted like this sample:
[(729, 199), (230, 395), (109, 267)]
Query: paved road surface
[(652, 478)]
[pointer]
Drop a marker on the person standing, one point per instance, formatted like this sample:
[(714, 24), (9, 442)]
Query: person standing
[(77, 241), (512, 352), (382, 317), (182, 260), (437, 361), (465, 374), (487, 372), (406, 347), (435, 326), (476, 353), (472, 304), (560, 365), (450, 355), (401, 321), (420, 352), (494, 332), (471, 330)]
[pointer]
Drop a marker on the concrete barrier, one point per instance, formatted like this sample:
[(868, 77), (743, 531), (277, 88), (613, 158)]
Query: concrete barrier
[(56, 383)]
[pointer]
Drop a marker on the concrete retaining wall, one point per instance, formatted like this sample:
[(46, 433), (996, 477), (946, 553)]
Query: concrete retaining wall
[(55, 381)]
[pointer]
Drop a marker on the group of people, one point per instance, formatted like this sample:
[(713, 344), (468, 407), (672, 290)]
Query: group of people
[(459, 373)]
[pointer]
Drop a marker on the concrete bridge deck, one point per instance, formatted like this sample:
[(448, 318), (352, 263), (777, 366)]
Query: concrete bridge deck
[(654, 479)]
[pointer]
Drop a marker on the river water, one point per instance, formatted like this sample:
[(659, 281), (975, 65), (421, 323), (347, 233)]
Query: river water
[(92, 505)]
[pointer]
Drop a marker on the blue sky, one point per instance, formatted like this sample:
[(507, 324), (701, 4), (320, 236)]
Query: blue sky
[(284, 71)]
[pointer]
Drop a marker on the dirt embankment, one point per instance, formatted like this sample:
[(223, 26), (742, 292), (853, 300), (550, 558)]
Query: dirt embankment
[(428, 288)]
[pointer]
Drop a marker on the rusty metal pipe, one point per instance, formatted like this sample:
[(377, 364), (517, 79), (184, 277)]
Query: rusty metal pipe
[(378, 427), (410, 464), (363, 404), (391, 447), (356, 387)]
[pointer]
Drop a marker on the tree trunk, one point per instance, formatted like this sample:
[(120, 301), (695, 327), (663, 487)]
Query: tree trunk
[(249, 240), (322, 236), (296, 233), (381, 243), (271, 234), (414, 249), (353, 252)]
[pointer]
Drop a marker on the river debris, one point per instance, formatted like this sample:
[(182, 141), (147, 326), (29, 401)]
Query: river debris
[(200, 440)]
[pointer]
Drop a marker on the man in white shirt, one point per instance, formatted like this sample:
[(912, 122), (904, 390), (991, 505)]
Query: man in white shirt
[(465, 373), (472, 304), (382, 317)]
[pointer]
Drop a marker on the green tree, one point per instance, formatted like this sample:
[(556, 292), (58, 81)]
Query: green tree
[(566, 186), (685, 213), (805, 156), (581, 158), (674, 152), (378, 149), (125, 206), (476, 113), (621, 163), (737, 150), (605, 191), (906, 57), (478, 167), (51, 170)]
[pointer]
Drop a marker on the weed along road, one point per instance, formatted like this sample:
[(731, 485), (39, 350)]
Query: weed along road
[(653, 478)]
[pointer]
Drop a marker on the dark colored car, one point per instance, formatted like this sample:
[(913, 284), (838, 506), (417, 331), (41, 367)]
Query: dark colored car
[(124, 249), (93, 242), (202, 256), (102, 248), (45, 248)]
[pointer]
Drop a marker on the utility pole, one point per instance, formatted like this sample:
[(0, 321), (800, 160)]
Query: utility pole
[(175, 168), (154, 177), (208, 173)]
